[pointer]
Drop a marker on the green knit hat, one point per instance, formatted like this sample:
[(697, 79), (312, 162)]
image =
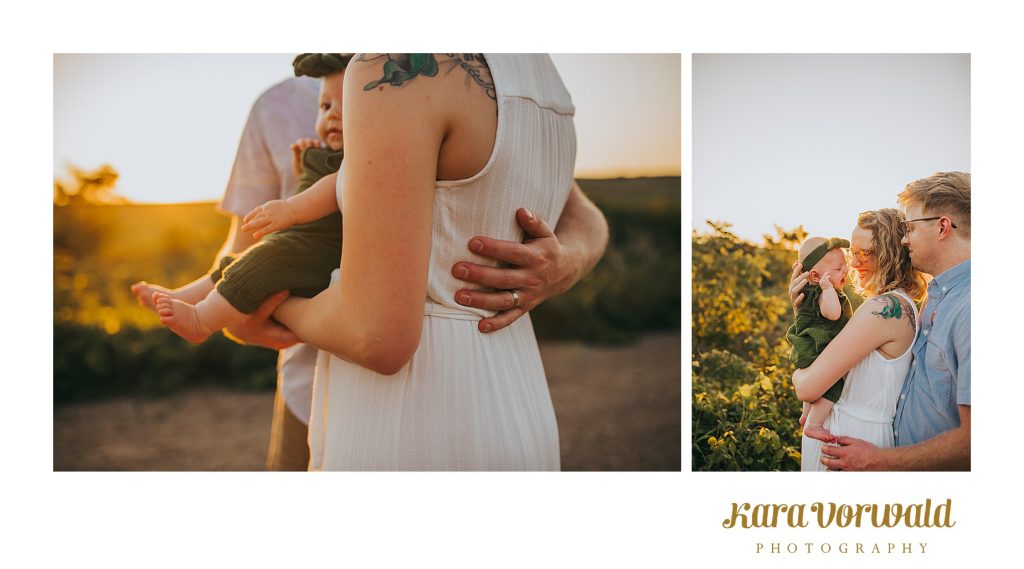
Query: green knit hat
[(320, 64), (819, 252)]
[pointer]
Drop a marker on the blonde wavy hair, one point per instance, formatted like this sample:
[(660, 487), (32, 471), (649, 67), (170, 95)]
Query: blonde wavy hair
[(893, 269), (942, 193)]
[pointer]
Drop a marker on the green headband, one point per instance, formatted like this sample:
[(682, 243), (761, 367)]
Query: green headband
[(819, 252), (320, 64)]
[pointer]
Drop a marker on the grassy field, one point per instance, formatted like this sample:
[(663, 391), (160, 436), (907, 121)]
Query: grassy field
[(653, 195)]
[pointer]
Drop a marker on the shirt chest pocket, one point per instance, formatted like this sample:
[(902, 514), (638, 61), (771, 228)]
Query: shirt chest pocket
[(941, 369)]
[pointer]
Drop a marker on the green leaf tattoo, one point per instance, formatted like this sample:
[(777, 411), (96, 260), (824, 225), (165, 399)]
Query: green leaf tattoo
[(892, 308), (402, 67)]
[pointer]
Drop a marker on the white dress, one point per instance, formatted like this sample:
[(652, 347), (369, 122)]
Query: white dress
[(466, 400), (867, 406)]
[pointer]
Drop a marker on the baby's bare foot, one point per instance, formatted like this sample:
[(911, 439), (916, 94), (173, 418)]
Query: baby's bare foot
[(181, 318), (819, 432), (144, 293)]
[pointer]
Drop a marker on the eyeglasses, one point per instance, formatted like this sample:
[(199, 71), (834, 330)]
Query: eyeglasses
[(862, 255), (908, 229)]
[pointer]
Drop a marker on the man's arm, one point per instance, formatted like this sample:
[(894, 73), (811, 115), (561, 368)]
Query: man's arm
[(950, 450), (546, 265)]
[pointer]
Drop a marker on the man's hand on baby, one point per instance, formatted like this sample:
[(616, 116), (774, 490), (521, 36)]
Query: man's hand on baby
[(297, 148), (265, 219)]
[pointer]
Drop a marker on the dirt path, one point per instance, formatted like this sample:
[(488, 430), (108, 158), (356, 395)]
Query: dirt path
[(617, 408)]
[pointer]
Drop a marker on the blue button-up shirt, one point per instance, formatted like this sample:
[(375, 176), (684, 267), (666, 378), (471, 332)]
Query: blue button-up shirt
[(940, 376)]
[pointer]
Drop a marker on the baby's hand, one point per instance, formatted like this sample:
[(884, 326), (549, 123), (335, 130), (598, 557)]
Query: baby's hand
[(826, 281), (297, 148), (268, 218)]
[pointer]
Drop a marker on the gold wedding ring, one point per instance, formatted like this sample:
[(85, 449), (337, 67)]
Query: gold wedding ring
[(515, 299)]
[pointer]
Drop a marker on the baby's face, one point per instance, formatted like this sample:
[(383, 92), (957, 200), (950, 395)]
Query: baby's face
[(328, 120), (833, 263)]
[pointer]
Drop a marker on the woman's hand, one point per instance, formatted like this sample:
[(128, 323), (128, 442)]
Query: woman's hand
[(797, 284), (297, 148), (539, 269), (265, 219), (259, 329)]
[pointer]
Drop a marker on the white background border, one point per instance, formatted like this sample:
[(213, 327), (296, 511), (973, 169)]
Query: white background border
[(504, 520)]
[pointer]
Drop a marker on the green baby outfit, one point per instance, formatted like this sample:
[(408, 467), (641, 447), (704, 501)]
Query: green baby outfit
[(811, 331), (299, 258)]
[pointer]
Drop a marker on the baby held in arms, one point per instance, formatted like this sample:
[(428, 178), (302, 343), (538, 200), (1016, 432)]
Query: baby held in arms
[(300, 238), (824, 312)]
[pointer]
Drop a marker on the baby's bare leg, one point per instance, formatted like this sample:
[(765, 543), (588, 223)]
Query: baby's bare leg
[(817, 415), (197, 322), (191, 293)]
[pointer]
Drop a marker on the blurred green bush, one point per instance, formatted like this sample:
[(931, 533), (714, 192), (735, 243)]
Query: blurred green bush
[(745, 412), (90, 363), (635, 287)]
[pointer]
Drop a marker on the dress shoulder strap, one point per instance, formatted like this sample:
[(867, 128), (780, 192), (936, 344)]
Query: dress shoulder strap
[(917, 321)]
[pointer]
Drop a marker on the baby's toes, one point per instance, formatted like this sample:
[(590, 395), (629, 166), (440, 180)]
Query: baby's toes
[(162, 301)]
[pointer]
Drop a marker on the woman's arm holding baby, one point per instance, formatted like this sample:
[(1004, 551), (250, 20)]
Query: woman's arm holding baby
[(865, 332), (374, 315), (318, 200)]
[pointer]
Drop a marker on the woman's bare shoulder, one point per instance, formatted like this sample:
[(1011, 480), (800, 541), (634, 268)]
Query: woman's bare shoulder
[(384, 71), (888, 311)]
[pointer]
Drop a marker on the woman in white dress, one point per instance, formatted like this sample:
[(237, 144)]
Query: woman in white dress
[(438, 149), (874, 349)]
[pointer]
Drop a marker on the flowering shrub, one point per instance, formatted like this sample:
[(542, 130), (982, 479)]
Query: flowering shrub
[(745, 412)]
